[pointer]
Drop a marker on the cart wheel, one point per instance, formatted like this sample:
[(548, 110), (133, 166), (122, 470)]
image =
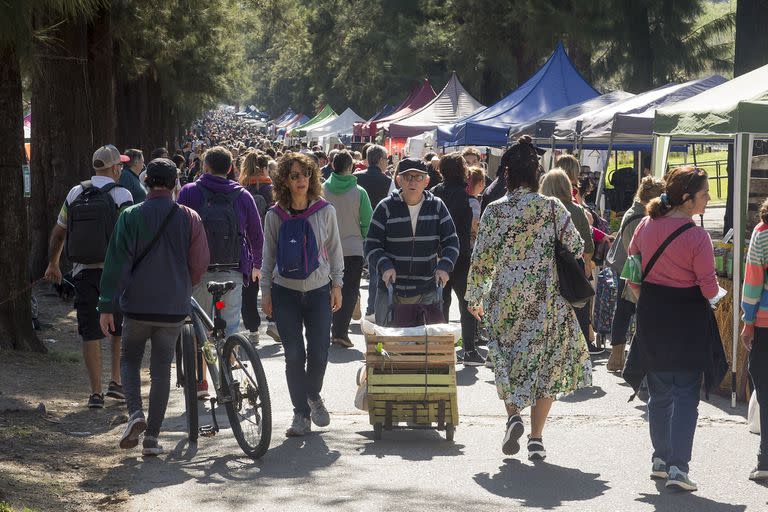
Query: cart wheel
[(449, 431), (377, 429)]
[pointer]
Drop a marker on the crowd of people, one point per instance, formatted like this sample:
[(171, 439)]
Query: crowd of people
[(230, 203)]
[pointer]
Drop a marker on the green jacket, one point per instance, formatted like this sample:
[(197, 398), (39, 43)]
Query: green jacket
[(354, 210)]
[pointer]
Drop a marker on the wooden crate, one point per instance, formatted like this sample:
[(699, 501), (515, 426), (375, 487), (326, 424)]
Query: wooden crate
[(440, 409), (409, 352)]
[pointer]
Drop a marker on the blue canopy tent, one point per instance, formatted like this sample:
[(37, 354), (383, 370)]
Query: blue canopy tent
[(556, 85)]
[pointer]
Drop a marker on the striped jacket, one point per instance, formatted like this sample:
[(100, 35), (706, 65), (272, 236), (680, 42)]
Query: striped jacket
[(391, 243), (754, 299)]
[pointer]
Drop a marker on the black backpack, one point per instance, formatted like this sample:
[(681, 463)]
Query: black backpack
[(91, 218), (222, 226)]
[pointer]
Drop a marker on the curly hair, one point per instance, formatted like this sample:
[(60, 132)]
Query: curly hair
[(522, 165), (280, 190), (679, 182)]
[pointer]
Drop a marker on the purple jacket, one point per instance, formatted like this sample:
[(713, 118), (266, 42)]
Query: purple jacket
[(250, 223)]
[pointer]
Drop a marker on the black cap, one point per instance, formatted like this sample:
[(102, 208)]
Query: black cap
[(411, 164), (162, 168)]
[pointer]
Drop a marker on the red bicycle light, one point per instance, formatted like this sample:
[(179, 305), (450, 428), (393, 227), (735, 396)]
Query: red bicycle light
[(220, 304)]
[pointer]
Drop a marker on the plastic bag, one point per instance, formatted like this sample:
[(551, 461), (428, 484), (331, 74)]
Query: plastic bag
[(753, 414), (633, 269), (361, 396)]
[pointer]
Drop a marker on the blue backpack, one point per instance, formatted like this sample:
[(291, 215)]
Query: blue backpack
[(297, 252)]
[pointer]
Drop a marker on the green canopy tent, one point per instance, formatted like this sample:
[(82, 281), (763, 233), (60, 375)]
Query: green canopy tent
[(735, 112), (326, 113)]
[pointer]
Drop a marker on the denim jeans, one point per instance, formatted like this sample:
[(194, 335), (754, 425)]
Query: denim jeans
[(304, 368), (672, 413), (233, 300), (353, 268), (135, 336), (758, 372), (622, 317)]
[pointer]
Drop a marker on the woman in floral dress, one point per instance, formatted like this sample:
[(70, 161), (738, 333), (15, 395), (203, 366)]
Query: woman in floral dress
[(536, 345)]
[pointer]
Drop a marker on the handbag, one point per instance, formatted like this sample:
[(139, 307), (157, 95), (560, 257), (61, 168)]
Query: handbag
[(573, 283)]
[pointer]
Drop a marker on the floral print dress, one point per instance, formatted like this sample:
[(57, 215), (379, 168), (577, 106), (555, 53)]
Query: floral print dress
[(535, 344)]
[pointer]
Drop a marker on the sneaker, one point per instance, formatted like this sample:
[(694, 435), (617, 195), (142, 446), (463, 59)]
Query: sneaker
[(536, 449), (680, 480), (115, 391), (319, 413), (356, 313), (489, 363), (151, 447), (371, 318), (202, 390), (301, 426), (594, 350), (343, 342), (96, 401), (136, 425), (659, 468), (472, 358), (253, 337), (759, 473), (272, 332), (514, 432)]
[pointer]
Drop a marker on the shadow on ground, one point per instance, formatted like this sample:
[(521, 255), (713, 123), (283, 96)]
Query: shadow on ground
[(514, 480)]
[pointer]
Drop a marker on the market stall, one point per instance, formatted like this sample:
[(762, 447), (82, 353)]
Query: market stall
[(735, 112)]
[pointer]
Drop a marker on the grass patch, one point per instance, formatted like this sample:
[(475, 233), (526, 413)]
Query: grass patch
[(63, 356), (5, 507)]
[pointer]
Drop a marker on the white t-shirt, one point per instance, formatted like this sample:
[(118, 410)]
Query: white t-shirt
[(414, 211)]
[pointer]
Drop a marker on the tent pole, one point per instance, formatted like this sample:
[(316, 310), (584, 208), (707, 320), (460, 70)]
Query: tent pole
[(601, 183)]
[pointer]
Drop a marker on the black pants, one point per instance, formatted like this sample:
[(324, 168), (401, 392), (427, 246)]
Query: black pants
[(458, 284), (758, 371), (353, 269), (622, 317), (250, 306)]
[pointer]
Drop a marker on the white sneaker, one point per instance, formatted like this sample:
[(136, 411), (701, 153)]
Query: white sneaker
[(680, 480), (151, 447), (659, 468), (319, 413), (301, 426), (371, 318), (272, 332)]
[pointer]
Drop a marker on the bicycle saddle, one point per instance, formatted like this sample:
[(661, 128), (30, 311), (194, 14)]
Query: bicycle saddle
[(215, 288)]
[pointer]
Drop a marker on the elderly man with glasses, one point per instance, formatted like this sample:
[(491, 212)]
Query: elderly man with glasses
[(412, 242)]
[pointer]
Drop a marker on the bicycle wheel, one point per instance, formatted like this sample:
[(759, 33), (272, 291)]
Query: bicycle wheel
[(250, 411), (189, 354)]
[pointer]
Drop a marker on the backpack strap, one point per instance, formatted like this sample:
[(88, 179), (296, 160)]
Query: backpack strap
[(284, 215), (86, 184), (679, 231), (151, 244)]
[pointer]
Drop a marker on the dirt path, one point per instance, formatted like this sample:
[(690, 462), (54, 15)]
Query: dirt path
[(55, 453)]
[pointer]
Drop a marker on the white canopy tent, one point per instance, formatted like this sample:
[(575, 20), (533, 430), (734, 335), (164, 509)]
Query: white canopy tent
[(335, 125)]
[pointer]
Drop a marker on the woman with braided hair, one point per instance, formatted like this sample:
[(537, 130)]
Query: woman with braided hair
[(536, 345)]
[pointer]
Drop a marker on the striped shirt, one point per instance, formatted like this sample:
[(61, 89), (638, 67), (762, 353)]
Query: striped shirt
[(754, 299), (415, 255)]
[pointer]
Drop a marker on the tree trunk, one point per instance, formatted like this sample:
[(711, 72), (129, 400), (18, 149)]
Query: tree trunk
[(63, 134), (101, 78), (640, 75), (751, 36), (15, 299)]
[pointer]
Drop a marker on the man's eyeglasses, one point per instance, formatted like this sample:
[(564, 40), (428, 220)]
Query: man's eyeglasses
[(413, 177), (294, 176)]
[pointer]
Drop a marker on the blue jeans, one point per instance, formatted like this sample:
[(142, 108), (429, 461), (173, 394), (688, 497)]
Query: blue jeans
[(135, 336), (672, 413), (304, 368), (233, 300)]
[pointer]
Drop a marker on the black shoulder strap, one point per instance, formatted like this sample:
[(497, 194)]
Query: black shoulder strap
[(149, 247), (679, 231), (109, 186), (207, 193), (629, 221)]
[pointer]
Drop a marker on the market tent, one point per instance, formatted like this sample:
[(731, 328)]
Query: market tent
[(326, 113), (334, 126), (418, 145), (285, 116), (554, 86), (541, 129), (598, 127), (357, 128), (737, 112), (450, 105), (420, 97)]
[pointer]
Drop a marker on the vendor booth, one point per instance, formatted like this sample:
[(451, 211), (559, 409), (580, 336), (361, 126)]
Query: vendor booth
[(735, 112)]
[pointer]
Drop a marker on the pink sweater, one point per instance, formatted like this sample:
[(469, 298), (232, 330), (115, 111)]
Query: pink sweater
[(688, 261)]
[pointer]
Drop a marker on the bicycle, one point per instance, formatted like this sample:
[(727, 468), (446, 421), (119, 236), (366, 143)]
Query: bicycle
[(236, 373)]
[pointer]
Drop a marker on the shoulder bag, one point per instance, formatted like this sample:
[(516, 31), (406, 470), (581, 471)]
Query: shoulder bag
[(573, 283)]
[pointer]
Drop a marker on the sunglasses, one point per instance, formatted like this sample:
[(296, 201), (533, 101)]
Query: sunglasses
[(413, 177), (294, 176)]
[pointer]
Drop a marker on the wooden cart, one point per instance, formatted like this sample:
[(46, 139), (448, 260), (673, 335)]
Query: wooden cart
[(411, 383)]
